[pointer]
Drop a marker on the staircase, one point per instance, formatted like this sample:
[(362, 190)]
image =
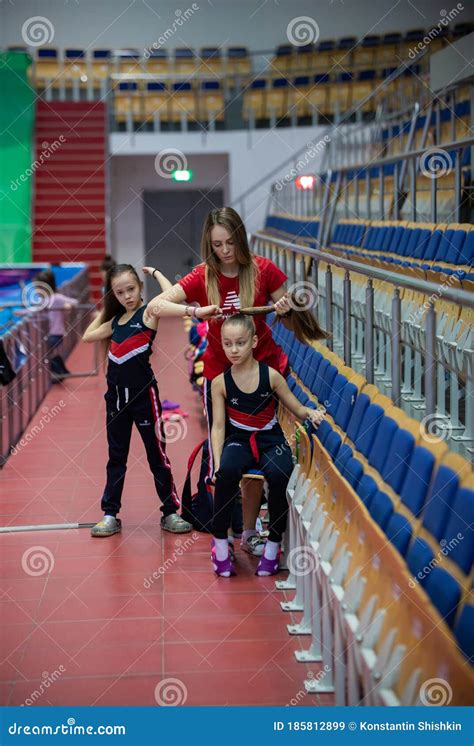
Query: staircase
[(70, 190)]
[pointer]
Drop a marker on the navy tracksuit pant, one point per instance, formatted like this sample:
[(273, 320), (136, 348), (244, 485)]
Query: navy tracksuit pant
[(142, 407), (274, 460)]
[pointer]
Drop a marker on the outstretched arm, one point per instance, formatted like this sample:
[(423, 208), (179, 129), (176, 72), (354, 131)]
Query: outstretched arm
[(170, 304), (218, 420), (289, 400)]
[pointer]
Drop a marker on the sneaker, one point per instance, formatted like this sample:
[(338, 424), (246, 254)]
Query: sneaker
[(253, 545), (175, 524), (107, 526), (231, 550), (221, 566), (267, 567)]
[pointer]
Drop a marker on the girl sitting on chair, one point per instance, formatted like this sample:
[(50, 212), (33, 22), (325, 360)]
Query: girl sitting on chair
[(244, 404)]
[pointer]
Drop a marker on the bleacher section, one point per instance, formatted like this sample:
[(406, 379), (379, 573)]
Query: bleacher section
[(300, 85), (388, 514)]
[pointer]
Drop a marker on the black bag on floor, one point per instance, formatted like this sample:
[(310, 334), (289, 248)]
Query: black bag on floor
[(197, 508), (7, 374)]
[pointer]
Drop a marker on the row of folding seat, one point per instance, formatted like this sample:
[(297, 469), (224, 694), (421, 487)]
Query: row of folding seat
[(447, 248), (98, 64), (148, 102), (421, 496), (351, 53), (452, 122), (324, 93), (379, 639), (297, 227)]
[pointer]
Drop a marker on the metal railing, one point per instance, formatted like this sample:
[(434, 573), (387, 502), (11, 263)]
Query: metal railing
[(371, 199), (414, 363), (26, 347)]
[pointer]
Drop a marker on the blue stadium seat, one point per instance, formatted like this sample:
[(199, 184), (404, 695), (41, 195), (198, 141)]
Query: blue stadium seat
[(353, 472), (361, 404), (347, 401), (345, 452), (381, 508), (366, 489), (418, 559), (333, 444), (417, 480), (400, 531), (458, 532), (368, 428), (445, 593), (382, 443), (395, 468), (439, 501)]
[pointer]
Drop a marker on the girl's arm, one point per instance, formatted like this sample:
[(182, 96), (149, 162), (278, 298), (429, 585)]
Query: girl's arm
[(169, 304), (97, 330), (218, 420), (66, 300), (162, 281), (289, 400)]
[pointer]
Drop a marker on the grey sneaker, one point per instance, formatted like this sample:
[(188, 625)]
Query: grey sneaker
[(253, 545), (107, 526), (175, 524)]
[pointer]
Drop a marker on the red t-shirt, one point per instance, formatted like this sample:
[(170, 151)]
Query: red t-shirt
[(269, 278)]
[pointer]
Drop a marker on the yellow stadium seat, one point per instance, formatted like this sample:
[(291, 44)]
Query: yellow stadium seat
[(183, 103), (156, 103)]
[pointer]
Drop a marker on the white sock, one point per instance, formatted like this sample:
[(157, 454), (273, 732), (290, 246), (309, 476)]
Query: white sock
[(108, 516), (271, 549), (222, 549), (248, 533)]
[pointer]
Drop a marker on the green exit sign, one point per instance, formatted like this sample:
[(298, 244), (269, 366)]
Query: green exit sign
[(183, 175)]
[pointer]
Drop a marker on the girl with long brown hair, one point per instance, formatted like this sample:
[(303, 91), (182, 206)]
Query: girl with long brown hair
[(132, 395), (231, 277)]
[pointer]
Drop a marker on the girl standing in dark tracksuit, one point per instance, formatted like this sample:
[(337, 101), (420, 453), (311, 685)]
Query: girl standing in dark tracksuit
[(246, 433), (132, 395)]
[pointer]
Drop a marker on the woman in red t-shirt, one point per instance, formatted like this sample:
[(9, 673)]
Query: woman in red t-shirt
[(230, 277)]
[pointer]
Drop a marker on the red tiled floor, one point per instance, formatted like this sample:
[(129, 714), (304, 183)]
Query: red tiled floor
[(121, 615)]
